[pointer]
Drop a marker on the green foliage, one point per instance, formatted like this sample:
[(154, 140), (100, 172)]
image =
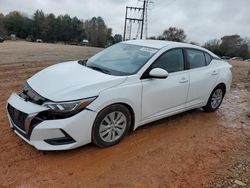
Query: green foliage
[(117, 38), (16, 23), (232, 46), (97, 31), (152, 38), (30, 38), (50, 28), (214, 46), (173, 34), (2, 28)]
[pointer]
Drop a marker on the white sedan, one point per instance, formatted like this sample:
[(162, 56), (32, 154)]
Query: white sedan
[(121, 88)]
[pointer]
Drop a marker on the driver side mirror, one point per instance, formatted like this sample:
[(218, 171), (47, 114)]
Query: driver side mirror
[(158, 73)]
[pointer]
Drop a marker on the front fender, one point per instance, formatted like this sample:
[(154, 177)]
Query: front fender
[(129, 94)]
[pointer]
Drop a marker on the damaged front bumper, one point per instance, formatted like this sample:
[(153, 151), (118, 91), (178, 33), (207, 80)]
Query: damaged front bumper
[(57, 134)]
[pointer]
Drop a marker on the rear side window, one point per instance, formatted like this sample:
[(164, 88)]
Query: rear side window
[(171, 61), (208, 58), (195, 58)]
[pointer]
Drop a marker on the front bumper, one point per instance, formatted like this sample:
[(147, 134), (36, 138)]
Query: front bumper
[(60, 134)]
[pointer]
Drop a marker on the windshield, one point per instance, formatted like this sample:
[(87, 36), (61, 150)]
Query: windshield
[(121, 59)]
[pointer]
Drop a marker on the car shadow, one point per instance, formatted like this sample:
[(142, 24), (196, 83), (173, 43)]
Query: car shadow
[(168, 121)]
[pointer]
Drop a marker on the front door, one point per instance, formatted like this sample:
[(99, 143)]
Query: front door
[(163, 96)]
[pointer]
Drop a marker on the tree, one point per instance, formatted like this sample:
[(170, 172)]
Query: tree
[(2, 28), (51, 33), (98, 33), (50, 28), (110, 38), (247, 41), (39, 30), (214, 46), (173, 34), (18, 24), (152, 38), (102, 32), (66, 28), (234, 45), (117, 38), (91, 29), (77, 30)]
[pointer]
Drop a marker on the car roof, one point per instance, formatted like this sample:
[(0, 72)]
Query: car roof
[(159, 44)]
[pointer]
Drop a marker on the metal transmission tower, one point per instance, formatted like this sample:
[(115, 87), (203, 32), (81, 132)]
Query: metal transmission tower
[(146, 17), (131, 20)]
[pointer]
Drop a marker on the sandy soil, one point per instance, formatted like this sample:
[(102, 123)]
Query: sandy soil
[(192, 149)]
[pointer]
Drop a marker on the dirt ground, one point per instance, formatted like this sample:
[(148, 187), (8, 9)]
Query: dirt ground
[(192, 149)]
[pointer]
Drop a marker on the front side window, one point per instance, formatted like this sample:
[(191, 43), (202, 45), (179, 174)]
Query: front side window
[(171, 61), (121, 59), (195, 58)]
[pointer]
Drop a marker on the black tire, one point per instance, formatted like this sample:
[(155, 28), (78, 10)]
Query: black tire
[(116, 108), (209, 106)]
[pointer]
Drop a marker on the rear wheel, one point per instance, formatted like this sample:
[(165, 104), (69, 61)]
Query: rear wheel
[(215, 99), (111, 125)]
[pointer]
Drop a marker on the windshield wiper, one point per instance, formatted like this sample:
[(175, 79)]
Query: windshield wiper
[(83, 62), (99, 69)]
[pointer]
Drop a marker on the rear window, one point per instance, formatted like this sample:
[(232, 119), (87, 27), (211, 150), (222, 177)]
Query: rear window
[(208, 58), (195, 58)]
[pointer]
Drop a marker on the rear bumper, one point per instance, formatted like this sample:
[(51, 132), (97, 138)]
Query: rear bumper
[(61, 134)]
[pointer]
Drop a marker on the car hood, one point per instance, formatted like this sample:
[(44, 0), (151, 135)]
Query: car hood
[(71, 81)]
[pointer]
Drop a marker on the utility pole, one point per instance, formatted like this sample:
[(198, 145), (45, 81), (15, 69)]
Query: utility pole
[(134, 19), (146, 19), (125, 25), (143, 17)]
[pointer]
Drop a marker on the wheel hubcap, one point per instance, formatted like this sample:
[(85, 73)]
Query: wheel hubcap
[(216, 98), (113, 126)]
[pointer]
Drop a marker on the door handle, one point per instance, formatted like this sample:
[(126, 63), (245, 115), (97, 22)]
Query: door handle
[(214, 72), (183, 80)]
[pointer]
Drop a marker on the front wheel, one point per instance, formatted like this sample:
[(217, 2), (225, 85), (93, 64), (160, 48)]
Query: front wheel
[(215, 99), (111, 125)]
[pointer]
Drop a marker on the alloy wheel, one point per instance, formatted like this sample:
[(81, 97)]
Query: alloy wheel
[(112, 126), (216, 98)]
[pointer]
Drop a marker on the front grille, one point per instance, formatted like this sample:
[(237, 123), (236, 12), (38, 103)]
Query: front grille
[(17, 117)]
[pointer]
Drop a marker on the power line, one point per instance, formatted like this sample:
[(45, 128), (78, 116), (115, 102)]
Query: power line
[(142, 21), (129, 9), (170, 3), (146, 17), (165, 5)]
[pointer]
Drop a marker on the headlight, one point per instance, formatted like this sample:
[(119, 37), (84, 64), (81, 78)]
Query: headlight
[(66, 107)]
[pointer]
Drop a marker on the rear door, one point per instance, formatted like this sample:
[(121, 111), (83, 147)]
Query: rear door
[(202, 76)]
